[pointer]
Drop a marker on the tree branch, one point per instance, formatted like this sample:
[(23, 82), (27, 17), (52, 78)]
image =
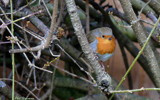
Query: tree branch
[(155, 5), (43, 28), (139, 4), (102, 76), (118, 14)]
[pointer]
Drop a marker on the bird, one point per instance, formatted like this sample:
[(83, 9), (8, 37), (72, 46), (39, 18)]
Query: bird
[(102, 42)]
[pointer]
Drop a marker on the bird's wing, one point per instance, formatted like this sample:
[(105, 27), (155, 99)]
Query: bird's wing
[(91, 37), (93, 45)]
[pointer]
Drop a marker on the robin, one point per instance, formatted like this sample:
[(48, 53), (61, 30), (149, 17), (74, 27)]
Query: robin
[(102, 42)]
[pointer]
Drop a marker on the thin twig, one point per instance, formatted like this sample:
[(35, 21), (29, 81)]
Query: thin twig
[(53, 78), (61, 12), (29, 76), (67, 72), (143, 8), (29, 62), (21, 86), (47, 9), (48, 33), (53, 24), (136, 90), (13, 57), (4, 25), (81, 68), (139, 14), (31, 33)]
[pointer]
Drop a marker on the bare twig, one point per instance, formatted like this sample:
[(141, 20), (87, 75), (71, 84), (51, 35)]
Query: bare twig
[(60, 12), (139, 5), (4, 25), (81, 68), (21, 86), (136, 90), (29, 62), (139, 14), (47, 9), (53, 26), (155, 5), (29, 76), (39, 24), (53, 79), (74, 75), (30, 32)]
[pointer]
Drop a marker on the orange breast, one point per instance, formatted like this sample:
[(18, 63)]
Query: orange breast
[(105, 45)]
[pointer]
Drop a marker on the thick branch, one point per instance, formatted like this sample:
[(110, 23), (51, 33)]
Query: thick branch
[(139, 4), (79, 31), (155, 5), (118, 14)]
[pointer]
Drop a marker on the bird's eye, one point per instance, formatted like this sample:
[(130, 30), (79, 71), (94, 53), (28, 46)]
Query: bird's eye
[(103, 36), (110, 38)]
